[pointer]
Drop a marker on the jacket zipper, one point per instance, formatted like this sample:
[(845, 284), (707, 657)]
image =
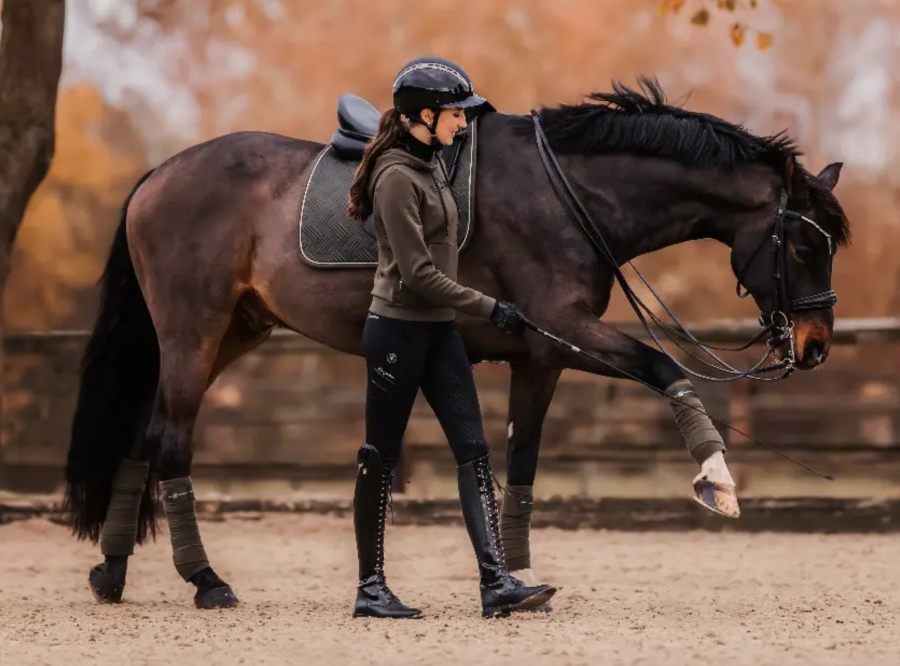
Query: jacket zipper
[(440, 191)]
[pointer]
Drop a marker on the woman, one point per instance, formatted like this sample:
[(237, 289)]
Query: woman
[(410, 340)]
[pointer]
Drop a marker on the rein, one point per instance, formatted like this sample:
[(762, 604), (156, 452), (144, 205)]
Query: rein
[(776, 323)]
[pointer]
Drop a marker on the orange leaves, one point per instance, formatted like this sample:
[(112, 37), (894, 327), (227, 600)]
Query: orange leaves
[(669, 6), (763, 40), (701, 17), (739, 30)]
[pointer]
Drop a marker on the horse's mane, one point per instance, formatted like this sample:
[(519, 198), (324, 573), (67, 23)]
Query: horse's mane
[(643, 122)]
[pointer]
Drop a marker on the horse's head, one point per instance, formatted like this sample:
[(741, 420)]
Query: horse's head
[(783, 259)]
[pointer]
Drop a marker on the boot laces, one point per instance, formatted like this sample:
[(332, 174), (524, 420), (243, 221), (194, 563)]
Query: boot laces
[(487, 494), (386, 502)]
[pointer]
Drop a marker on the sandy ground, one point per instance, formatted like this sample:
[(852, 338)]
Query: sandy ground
[(625, 598)]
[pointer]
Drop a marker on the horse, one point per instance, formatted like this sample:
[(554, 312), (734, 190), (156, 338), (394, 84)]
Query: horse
[(204, 265)]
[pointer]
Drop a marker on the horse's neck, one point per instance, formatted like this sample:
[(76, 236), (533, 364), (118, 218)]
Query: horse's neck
[(643, 205)]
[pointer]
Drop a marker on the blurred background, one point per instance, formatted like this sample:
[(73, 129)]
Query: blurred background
[(143, 79)]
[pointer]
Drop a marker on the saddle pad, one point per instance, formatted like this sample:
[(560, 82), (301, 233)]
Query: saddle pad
[(330, 239)]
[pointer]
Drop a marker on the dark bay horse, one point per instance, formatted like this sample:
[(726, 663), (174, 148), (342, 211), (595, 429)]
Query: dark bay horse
[(205, 264)]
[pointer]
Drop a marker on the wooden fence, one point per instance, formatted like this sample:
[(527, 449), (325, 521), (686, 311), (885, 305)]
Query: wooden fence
[(293, 409)]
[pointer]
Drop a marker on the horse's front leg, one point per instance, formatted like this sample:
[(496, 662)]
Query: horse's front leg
[(531, 389), (623, 356)]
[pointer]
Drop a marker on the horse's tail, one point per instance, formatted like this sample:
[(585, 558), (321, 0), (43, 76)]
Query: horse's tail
[(119, 376)]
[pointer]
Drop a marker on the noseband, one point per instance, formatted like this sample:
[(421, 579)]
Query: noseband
[(777, 323), (778, 320)]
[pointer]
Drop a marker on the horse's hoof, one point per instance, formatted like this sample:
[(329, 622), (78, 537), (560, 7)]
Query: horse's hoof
[(720, 498), (105, 588), (217, 597)]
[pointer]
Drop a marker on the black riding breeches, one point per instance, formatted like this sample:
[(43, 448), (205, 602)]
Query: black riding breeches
[(402, 357)]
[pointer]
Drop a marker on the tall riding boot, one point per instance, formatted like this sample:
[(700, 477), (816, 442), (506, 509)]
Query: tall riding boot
[(501, 593), (370, 504)]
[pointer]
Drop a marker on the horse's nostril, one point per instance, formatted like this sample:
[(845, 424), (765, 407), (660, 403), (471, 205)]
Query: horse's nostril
[(815, 354)]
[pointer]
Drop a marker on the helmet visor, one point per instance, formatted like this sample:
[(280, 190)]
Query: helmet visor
[(468, 102)]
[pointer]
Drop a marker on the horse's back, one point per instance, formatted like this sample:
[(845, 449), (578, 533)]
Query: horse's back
[(234, 176)]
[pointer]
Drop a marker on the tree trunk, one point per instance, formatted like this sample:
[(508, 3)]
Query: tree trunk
[(30, 64)]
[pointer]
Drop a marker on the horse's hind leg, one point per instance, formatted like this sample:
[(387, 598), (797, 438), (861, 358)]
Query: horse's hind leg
[(120, 529), (107, 580), (186, 363)]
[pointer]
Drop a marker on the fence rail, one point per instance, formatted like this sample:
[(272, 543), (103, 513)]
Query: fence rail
[(296, 407), (846, 332)]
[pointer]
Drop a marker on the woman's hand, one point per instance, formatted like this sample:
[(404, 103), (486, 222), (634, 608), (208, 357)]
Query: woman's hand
[(508, 317)]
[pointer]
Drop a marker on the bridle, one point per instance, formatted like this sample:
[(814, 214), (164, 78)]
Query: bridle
[(778, 320), (777, 323)]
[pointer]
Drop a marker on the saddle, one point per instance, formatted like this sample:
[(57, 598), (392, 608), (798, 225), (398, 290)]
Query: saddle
[(357, 124), (328, 238)]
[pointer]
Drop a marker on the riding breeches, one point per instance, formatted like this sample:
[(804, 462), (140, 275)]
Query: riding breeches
[(403, 356)]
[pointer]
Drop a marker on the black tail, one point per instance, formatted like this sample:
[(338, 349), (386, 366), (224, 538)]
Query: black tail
[(119, 376)]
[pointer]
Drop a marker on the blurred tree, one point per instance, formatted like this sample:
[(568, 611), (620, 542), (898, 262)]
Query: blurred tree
[(31, 48)]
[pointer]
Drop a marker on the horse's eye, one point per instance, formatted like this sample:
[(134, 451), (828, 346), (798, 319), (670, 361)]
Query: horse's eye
[(804, 253)]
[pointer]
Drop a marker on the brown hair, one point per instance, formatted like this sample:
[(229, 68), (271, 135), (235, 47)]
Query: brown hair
[(390, 130)]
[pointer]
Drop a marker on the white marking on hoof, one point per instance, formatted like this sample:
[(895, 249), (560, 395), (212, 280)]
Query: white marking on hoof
[(715, 469)]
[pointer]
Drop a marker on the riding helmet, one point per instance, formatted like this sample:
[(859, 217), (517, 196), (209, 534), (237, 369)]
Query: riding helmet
[(435, 83)]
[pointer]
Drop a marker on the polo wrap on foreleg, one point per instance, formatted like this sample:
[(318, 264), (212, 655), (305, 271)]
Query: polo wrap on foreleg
[(187, 547), (700, 435), (119, 532), (515, 526)]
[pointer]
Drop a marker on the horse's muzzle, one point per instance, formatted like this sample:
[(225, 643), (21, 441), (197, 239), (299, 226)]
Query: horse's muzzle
[(812, 338)]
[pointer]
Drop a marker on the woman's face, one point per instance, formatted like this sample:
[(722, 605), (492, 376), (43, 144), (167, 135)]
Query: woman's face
[(449, 123)]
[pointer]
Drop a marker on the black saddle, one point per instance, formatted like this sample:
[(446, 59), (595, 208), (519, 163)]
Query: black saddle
[(358, 123)]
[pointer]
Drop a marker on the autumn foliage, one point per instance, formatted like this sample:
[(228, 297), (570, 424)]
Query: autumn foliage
[(737, 15), (146, 78)]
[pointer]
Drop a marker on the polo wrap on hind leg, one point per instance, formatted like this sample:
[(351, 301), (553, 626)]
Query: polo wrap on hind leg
[(187, 547), (700, 435), (121, 524), (515, 526)]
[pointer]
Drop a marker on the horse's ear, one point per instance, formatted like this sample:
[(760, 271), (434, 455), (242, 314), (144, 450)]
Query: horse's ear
[(795, 180), (830, 174)]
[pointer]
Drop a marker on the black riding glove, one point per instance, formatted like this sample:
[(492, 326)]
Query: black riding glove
[(508, 318)]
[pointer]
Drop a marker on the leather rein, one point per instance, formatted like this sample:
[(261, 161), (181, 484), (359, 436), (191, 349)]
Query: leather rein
[(777, 323)]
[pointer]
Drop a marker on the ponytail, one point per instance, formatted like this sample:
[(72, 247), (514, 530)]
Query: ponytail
[(390, 130)]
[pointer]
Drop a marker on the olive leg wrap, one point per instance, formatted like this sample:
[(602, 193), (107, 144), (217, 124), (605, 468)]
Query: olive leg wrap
[(120, 526), (700, 435), (187, 547), (515, 526)]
